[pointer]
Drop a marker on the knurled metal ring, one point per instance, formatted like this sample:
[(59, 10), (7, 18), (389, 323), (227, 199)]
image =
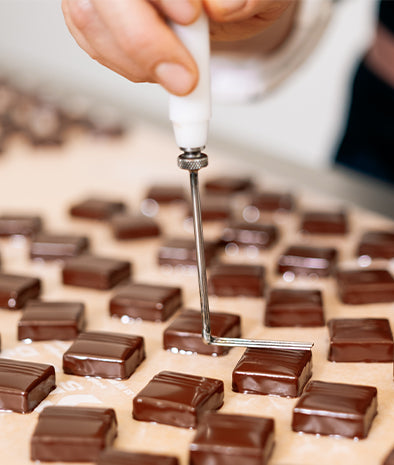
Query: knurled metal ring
[(192, 162)]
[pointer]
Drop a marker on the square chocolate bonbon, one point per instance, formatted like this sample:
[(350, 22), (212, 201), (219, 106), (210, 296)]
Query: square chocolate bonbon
[(273, 371), (57, 246), (231, 280), (120, 457), (294, 307), (72, 434), (317, 222), (163, 194), (126, 226), (23, 385), (360, 340), (335, 409), (273, 201), (16, 290), (95, 208), (43, 321), (95, 272), (177, 399), (356, 287), (146, 301), (307, 261), (226, 185), (262, 236), (181, 251), (20, 225), (214, 208), (377, 244), (104, 354), (184, 333), (230, 439)]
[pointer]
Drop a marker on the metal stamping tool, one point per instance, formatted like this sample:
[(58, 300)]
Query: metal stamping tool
[(190, 116)]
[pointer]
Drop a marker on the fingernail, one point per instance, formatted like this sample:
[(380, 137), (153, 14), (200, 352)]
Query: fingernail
[(186, 11), (175, 78)]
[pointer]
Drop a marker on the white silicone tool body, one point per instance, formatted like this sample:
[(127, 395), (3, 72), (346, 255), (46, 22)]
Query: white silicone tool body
[(190, 115)]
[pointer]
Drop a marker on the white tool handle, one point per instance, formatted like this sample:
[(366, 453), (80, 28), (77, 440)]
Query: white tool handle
[(190, 115)]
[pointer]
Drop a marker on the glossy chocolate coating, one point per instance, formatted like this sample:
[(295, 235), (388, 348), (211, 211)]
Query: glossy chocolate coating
[(262, 236), (104, 354), (294, 307), (273, 201), (335, 409), (214, 208), (228, 185), (224, 439), (273, 371), (16, 290), (23, 385), (389, 460), (360, 340), (73, 434), (146, 301), (356, 287), (21, 225), (177, 399), (184, 333), (166, 194), (183, 252), (133, 226), (118, 457), (97, 208), (324, 223), (57, 246), (228, 280), (304, 261), (377, 244), (95, 272), (43, 321)]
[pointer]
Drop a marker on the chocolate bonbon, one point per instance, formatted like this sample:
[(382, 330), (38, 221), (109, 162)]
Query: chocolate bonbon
[(16, 290), (57, 246), (360, 340), (317, 222), (177, 399), (43, 321), (95, 208), (262, 236), (126, 226), (23, 385), (72, 434), (181, 251), (273, 371), (120, 457), (146, 301), (230, 280), (356, 287), (214, 208), (184, 333), (376, 244), (163, 194), (273, 201), (335, 409), (307, 261), (225, 185), (230, 439), (104, 354), (20, 225), (95, 272), (294, 307)]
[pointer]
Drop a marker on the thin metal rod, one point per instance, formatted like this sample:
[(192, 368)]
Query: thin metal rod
[(203, 287)]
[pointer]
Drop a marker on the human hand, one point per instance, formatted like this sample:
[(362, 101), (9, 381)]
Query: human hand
[(132, 38)]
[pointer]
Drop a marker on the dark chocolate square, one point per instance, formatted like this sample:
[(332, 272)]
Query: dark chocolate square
[(307, 261), (23, 385), (228, 185), (20, 225), (120, 457), (72, 434), (214, 208), (335, 409), (95, 272), (177, 399), (294, 307), (44, 321), (227, 439), (166, 193), (126, 226), (262, 236), (377, 244), (231, 280), (183, 252), (104, 354), (318, 222), (360, 340), (16, 290), (356, 287), (273, 201), (146, 301), (57, 246), (184, 333), (273, 371), (95, 208)]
